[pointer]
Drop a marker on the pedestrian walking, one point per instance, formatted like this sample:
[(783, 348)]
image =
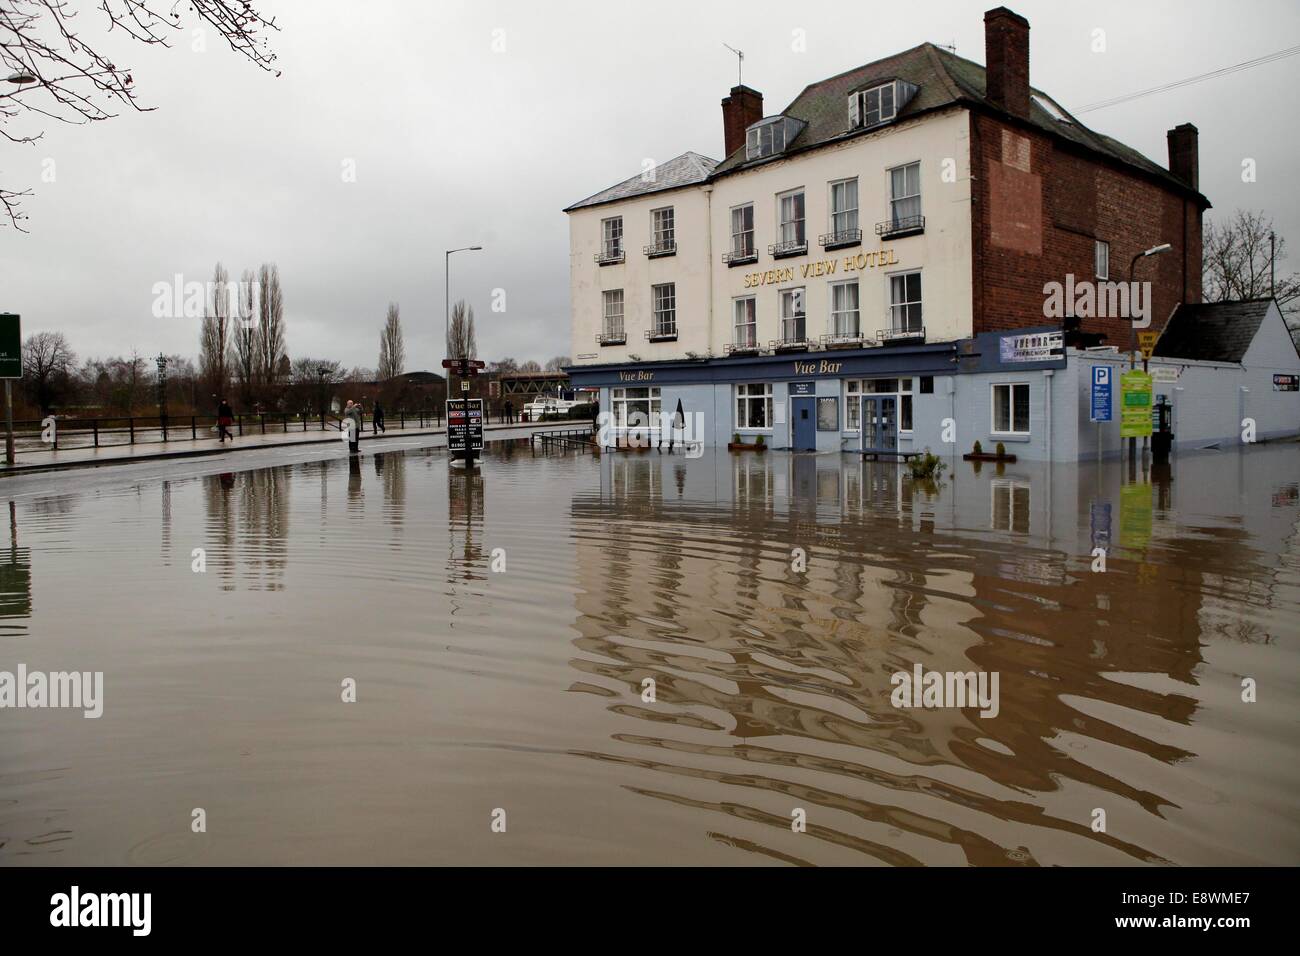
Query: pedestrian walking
[(353, 414), (225, 418), (510, 413), (377, 418)]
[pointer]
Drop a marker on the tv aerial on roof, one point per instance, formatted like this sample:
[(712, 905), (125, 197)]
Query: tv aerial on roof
[(740, 62)]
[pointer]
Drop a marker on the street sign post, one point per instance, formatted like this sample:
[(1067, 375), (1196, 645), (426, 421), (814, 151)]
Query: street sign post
[(1135, 404), (1147, 343), (11, 367), (465, 428)]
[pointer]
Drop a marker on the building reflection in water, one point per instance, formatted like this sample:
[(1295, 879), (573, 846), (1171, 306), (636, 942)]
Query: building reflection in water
[(983, 572), (465, 495), (15, 582)]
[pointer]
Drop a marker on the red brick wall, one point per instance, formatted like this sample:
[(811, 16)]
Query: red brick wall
[(1038, 209)]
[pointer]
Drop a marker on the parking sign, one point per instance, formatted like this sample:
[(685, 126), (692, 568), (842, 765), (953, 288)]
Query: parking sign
[(1100, 409)]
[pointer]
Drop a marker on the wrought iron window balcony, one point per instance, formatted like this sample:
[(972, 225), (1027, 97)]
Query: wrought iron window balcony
[(841, 239), (742, 348), (783, 250), (665, 334), (902, 226), (842, 340), (743, 258), (790, 344), (609, 258), (655, 250), (611, 338), (893, 336)]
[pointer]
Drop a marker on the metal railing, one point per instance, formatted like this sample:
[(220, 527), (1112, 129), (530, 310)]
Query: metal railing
[(915, 333), (741, 258), (841, 339), (609, 257), (667, 247), (662, 334), (903, 225), (611, 338), (108, 431), (838, 240), (792, 247)]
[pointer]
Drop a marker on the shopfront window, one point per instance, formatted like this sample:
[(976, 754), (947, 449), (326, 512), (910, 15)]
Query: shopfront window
[(635, 408), (754, 405)]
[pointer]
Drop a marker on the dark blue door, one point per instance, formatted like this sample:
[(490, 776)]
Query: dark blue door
[(803, 411)]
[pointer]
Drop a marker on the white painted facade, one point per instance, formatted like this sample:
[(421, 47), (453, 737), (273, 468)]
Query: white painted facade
[(706, 287)]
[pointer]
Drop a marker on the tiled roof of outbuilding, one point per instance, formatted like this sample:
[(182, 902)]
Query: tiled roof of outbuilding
[(1212, 331)]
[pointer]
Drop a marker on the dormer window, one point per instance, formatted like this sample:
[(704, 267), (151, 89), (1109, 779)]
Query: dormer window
[(879, 103), (770, 136)]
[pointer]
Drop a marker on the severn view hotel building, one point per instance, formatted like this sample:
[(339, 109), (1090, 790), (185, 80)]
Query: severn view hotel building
[(871, 261)]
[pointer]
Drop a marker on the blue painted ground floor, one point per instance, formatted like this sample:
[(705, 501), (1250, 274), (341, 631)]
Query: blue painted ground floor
[(1023, 391)]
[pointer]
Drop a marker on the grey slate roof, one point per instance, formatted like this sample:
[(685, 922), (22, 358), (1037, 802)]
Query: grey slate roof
[(1212, 331), (685, 170), (945, 79)]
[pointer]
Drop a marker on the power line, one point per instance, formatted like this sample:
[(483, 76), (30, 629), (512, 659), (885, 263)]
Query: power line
[(1237, 67)]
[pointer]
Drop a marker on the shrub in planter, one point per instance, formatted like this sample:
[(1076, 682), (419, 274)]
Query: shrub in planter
[(978, 449), (735, 439), (759, 441), (1001, 450)]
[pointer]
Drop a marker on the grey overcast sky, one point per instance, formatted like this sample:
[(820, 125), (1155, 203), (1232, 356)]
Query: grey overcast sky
[(456, 143)]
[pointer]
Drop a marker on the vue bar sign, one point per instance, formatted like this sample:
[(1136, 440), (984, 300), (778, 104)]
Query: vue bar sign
[(11, 346), (1102, 392)]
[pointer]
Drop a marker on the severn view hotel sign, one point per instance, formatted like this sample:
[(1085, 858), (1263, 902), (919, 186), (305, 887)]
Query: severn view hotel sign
[(823, 267)]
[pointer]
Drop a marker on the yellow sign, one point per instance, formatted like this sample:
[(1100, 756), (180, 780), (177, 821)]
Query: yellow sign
[(1135, 404), (1147, 343)]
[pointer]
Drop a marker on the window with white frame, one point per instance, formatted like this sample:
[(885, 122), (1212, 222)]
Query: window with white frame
[(844, 207), (790, 219), (613, 313), (845, 313), (662, 229), (905, 195), (1101, 253), (852, 405), (635, 407), (742, 230), (905, 405), (612, 237), (664, 297), (746, 323), (1011, 408), (905, 302), (1009, 505), (754, 405), (793, 320), (876, 105)]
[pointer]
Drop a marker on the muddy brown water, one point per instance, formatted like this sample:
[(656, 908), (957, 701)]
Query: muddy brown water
[(501, 629)]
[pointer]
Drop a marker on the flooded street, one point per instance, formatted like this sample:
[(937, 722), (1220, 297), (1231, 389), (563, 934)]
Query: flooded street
[(500, 629)]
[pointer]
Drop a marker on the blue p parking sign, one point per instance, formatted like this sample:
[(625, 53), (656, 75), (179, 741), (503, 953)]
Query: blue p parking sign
[(1100, 409)]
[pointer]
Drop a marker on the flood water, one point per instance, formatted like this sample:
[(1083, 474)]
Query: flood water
[(499, 629)]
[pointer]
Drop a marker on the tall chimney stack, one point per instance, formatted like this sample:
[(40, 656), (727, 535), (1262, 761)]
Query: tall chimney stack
[(740, 110), (1006, 59), (1184, 154)]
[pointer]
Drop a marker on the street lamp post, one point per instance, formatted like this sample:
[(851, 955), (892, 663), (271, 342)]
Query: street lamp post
[(161, 360), (1132, 324), (322, 371), (446, 282)]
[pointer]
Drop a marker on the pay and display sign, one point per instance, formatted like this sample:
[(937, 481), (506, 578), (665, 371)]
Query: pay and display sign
[(465, 424), (1102, 392), (1135, 404), (11, 346)]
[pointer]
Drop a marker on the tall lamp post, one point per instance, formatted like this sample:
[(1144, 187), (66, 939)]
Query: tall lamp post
[(161, 361), (1132, 325), (446, 282)]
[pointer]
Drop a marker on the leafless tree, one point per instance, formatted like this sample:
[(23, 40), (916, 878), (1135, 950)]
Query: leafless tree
[(559, 363), (48, 362), (214, 338), (530, 366), (505, 366), (392, 351), (1236, 258), (60, 74), (271, 357), (461, 341), (245, 334)]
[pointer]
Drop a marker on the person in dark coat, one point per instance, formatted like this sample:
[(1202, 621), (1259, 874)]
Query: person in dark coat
[(225, 418), (377, 417)]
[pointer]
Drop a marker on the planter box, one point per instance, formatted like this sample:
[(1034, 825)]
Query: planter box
[(985, 456), (744, 446)]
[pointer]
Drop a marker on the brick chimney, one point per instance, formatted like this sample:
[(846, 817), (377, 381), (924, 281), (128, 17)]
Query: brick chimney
[(740, 110), (1006, 58), (1184, 159)]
